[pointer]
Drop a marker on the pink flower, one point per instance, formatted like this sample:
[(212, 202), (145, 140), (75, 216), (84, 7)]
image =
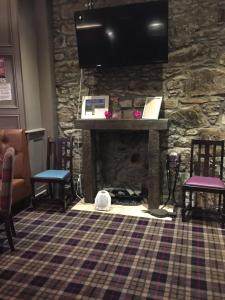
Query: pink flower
[(108, 114), (137, 114)]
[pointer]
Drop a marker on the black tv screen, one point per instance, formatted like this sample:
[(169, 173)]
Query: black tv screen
[(123, 35)]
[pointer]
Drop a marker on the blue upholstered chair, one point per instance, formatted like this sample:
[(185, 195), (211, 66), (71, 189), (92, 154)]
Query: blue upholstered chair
[(59, 169)]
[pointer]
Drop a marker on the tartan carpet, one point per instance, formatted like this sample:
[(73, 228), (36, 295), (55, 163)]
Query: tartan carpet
[(91, 255)]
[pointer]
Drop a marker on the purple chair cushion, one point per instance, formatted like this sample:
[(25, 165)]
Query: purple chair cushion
[(202, 181)]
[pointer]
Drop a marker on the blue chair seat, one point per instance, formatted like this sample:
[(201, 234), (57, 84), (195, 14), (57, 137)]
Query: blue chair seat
[(52, 175)]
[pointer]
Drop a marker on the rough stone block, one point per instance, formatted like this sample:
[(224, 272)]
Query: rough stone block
[(65, 125), (207, 81), (212, 133), (68, 28), (128, 114), (65, 114), (192, 132), (189, 117), (139, 102), (171, 103), (68, 9), (176, 86), (196, 100), (60, 41), (125, 103), (59, 56)]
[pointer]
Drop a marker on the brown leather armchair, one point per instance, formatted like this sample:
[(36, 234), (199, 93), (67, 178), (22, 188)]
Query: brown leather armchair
[(16, 138)]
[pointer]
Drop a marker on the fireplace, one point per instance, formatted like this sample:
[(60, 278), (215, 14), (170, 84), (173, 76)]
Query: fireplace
[(97, 132), (122, 163)]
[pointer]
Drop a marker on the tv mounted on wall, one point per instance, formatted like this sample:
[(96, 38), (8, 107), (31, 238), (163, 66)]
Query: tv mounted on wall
[(123, 35)]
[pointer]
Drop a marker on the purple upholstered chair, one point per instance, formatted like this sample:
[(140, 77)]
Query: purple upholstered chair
[(206, 173), (6, 194)]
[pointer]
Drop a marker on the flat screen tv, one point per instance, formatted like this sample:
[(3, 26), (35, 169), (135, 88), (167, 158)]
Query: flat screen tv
[(133, 34)]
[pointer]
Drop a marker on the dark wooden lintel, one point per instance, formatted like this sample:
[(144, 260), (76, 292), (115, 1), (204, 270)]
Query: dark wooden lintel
[(99, 124)]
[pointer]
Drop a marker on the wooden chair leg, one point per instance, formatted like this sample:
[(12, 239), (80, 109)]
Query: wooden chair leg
[(72, 188), (12, 226), (32, 194), (220, 203), (223, 212), (63, 198), (9, 233), (50, 190), (183, 211), (190, 199)]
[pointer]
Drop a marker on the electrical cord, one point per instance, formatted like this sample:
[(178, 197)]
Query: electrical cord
[(78, 182)]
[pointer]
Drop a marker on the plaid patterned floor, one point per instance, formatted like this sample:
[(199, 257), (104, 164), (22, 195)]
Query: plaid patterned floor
[(83, 255)]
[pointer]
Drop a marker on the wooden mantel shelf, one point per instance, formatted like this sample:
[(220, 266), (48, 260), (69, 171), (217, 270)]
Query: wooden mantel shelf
[(99, 124)]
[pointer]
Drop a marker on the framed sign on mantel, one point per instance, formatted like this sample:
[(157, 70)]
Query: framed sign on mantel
[(94, 107), (152, 108)]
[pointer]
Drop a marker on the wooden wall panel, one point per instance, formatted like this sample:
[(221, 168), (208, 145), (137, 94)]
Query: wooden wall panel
[(6, 36), (10, 121)]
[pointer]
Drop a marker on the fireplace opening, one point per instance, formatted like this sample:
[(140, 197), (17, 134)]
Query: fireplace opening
[(122, 165), (135, 158)]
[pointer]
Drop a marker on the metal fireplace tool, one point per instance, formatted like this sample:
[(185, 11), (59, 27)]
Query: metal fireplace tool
[(172, 171)]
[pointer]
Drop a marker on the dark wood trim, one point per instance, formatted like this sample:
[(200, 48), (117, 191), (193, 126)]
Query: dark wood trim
[(153, 169), (161, 124), (89, 165)]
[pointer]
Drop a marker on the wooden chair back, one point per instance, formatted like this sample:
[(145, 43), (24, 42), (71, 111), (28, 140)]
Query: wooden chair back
[(60, 153), (207, 158)]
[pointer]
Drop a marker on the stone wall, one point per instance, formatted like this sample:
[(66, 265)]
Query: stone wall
[(192, 83)]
